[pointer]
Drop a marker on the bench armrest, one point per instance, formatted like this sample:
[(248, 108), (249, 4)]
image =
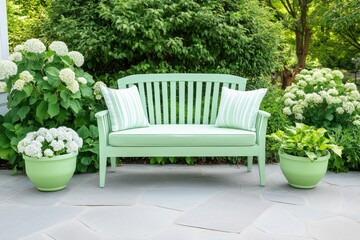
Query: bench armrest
[(104, 127), (261, 126)]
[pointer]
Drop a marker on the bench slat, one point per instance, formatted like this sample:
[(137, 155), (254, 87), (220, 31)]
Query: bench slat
[(173, 102), (198, 101), (165, 102), (207, 102), (181, 102), (150, 102), (157, 102), (190, 102), (143, 99)]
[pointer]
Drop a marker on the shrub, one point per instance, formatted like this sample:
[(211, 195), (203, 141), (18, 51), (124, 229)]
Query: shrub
[(319, 98), (47, 88), (349, 138), (143, 36), (272, 103)]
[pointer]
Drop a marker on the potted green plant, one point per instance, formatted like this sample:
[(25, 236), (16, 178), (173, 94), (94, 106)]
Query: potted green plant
[(304, 154), (50, 156)]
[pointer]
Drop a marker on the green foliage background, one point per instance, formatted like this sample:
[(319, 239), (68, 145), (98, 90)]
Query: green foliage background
[(142, 36)]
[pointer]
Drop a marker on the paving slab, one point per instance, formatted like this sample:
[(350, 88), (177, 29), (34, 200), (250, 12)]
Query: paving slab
[(176, 233), (128, 222), (226, 212), (22, 221), (335, 228), (277, 220), (72, 229), (254, 233)]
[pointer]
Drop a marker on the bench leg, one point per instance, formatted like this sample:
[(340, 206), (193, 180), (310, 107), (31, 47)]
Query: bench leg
[(261, 163), (102, 170), (113, 163), (249, 163)]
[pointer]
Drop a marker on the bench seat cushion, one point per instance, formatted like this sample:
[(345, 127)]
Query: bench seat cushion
[(182, 135)]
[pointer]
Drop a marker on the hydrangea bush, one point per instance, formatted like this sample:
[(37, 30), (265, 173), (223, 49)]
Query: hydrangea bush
[(50, 142), (47, 88), (319, 98)]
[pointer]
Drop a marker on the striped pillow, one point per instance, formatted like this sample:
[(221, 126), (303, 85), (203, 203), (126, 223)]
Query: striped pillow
[(238, 109), (125, 108)]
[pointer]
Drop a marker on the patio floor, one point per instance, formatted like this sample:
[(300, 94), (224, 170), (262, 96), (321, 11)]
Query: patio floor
[(181, 202)]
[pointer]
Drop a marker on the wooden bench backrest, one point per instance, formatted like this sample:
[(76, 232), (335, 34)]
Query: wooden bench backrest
[(179, 98)]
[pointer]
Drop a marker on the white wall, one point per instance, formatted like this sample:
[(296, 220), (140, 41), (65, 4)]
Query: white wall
[(4, 48)]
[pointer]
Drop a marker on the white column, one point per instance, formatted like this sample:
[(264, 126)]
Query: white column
[(4, 48)]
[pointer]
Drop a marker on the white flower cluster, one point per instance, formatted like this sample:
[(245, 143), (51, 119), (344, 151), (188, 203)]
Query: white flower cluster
[(82, 80), (59, 47), (15, 57), (50, 142), (321, 89), (2, 86), (7, 69), (34, 46), (77, 58), (67, 76), (25, 78), (18, 48), (97, 89)]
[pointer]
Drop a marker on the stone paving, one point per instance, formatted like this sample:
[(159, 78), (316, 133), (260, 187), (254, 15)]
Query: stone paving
[(181, 203)]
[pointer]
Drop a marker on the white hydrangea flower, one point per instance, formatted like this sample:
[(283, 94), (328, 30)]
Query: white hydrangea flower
[(59, 47), (40, 139), (45, 78), (67, 75), (348, 107), (289, 102), (356, 122), (26, 76), (338, 74), (31, 135), (22, 144), (73, 87), (15, 57), (302, 83), (333, 100), (297, 109), (57, 145), (77, 58), (82, 80), (313, 97), (355, 95), (304, 71), (333, 91), (18, 48), (350, 86), (97, 89), (289, 95), (299, 116), (48, 153), (300, 93), (19, 85), (340, 110), (71, 147), (51, 59), (287, 111), (7, 69), (3, 86), (34, 46)]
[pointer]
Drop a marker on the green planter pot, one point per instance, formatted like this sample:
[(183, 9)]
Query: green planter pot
[(50, 174), (300, 172)]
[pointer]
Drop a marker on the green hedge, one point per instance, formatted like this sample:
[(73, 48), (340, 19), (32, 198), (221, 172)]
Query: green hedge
[(141, 36)]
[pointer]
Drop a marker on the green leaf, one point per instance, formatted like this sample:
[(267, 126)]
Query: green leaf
[(329, 116), (4, 141), (84, 132), (67, 60), (9, 126), (28, 88), (86, 160), (86, 91), (41, 111), (53, 98), (75, 105), (53, 109), (23, 111), (94, 132), (52, 72)]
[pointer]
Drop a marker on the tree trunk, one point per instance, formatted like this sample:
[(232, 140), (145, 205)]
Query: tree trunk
[(287, 77), (302, 37)]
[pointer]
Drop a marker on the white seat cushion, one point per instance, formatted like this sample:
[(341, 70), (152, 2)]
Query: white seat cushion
[(182, 135)]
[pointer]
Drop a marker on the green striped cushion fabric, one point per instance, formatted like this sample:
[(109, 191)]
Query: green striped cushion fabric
[(125, 108), (238, 109)]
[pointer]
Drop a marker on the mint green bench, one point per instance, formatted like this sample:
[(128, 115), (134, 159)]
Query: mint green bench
[(182, 110)]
